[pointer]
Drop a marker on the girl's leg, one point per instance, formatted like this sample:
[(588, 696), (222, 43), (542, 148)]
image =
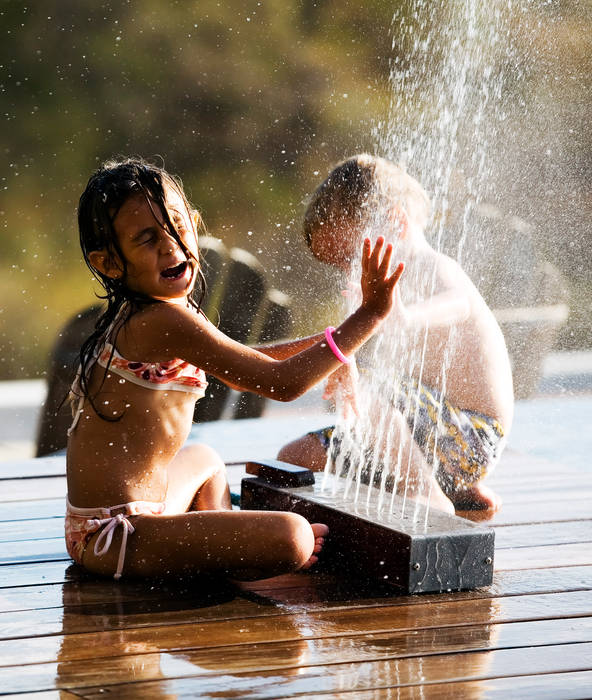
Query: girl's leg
[(240, 544), (197, 481)]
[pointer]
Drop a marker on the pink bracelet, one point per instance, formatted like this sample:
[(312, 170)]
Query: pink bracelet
[(334, 349)]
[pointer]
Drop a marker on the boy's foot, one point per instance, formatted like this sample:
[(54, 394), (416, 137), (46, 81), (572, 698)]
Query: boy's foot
[(320, 531), (428, 493), (478, 497)]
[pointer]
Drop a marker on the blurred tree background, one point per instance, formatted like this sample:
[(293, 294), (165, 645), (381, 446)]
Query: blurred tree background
[(250, 103)]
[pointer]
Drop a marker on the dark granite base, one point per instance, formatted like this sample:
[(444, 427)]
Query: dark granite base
[(416, 554)]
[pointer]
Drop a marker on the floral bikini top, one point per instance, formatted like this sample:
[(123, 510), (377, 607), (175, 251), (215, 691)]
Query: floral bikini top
[(176, 375)]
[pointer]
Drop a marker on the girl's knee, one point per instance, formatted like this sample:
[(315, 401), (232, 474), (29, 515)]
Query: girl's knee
[(200, 454), (296, 540)]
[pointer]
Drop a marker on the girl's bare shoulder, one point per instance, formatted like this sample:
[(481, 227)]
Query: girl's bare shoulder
[(155, 331)]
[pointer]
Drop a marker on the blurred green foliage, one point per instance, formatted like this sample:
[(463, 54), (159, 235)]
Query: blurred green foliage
[(250, 103)]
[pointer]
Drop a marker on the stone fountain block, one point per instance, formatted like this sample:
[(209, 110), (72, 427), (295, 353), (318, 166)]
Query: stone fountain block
[(414, 553)]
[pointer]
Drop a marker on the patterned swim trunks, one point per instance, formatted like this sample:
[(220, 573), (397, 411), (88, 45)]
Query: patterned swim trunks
[(464, 446)]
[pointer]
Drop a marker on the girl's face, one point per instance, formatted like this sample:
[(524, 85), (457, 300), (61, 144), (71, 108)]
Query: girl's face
[(156, 265)]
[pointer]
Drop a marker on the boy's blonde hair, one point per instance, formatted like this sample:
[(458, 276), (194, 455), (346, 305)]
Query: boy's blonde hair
[(360, 185)]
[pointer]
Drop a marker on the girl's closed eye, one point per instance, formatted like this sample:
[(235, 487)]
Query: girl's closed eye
[(147, 238)]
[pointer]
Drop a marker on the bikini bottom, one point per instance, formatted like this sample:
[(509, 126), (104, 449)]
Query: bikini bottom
[(82, 523)]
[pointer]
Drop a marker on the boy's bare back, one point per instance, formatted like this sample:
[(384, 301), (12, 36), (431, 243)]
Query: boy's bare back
[(465, 354)]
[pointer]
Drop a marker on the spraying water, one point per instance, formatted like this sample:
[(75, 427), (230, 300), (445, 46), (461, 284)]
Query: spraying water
[(443, 121)]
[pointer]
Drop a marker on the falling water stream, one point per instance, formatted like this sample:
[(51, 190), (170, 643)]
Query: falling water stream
[(443, 124)]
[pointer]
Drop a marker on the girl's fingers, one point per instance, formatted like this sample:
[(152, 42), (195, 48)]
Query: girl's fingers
[(377, 250), (385, 263), (394, 278), (366, 253)]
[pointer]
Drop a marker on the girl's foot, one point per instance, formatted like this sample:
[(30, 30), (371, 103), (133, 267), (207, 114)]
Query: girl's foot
[(320, 531)]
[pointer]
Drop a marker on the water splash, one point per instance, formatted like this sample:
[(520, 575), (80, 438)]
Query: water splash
[(443, 123)]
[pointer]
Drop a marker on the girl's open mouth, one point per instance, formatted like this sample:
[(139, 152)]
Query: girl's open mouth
[(175, 272)]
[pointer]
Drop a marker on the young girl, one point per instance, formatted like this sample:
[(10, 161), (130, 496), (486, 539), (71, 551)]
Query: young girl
[(138, 382)]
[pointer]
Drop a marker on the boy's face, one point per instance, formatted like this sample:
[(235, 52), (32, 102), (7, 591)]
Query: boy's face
[(336, 244)]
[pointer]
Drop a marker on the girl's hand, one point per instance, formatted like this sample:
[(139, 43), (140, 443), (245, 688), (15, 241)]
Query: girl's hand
[(341, 388), (377, 284)]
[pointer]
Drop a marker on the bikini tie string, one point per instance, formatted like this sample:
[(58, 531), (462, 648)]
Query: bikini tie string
[(106, 536)]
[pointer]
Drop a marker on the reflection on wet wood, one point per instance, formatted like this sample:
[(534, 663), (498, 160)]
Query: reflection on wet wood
[(214, 627), (354, 677), (149, 664)]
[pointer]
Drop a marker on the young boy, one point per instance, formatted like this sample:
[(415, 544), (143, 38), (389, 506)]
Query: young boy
[(459, 426)]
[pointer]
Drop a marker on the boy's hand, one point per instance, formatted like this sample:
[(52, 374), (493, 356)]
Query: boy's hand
[(377, 284)]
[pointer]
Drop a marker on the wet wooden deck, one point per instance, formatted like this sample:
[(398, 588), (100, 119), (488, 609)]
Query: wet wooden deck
[(64, 635)]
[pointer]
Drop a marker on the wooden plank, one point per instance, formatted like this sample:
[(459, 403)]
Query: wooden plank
[(352, 676), (43, 695), (37, 467), (550, 686), (542, 534), (243, 659), (40, 529), (32, 510), (43, 489), (579, 554), (33, 574), (93, 592), (546, 511), (29, 551), (556, 492)]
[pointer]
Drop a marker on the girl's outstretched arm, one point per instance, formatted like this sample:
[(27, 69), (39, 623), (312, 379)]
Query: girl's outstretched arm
[(287, 348), (171, 330)]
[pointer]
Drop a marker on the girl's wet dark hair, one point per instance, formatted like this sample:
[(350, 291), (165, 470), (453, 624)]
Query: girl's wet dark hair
[(107, 190)]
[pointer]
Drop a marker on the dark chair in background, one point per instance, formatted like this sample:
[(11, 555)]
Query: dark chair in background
[(238, 300)]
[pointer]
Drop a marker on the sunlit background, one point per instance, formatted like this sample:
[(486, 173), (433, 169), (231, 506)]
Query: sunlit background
[(251, 103)]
